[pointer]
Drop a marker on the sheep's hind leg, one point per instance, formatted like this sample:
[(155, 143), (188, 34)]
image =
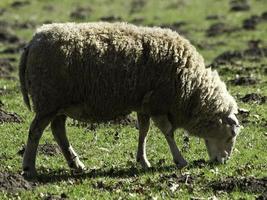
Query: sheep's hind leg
[(143, 123), (29, 158), (165, 126), (59, 133)]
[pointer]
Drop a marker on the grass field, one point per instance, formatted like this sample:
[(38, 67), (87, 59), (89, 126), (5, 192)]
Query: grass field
[(232, 37)]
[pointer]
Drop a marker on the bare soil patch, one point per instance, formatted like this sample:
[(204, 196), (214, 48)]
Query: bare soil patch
[(239, 5), (264, 15), (47, 149), (214, 17), (255, 98), (252, 22), (137, 6), (219, 29), (6, 68), (13, 182), (206, 45), (231, 57), (247, 184), (7, 36), (81, 13), (25, 25), (244, 80), (2, 11), (6, 117), (19, 4), (48, 7), (111, 18)]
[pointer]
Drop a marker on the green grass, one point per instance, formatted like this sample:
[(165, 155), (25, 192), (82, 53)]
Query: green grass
[(111, 161)]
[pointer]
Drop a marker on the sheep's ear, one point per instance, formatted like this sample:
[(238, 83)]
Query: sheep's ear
[(233, 122)]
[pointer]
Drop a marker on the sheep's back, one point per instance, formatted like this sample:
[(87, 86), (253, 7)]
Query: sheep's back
[(109, 70)]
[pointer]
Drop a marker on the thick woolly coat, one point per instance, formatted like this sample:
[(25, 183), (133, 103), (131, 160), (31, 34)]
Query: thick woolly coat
[(111, 69)]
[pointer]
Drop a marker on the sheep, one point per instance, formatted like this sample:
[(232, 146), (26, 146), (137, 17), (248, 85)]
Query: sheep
[(98, 71)]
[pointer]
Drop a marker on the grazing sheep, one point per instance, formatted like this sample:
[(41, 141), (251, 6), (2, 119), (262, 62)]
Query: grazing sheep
[(98, 71)]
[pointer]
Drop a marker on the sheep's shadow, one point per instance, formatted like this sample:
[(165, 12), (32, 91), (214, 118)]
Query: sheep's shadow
[(63, 175)]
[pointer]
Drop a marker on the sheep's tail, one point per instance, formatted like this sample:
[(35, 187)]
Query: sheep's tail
[(22, 76)]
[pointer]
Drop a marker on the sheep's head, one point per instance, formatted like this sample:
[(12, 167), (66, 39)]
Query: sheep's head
[(220, 138)]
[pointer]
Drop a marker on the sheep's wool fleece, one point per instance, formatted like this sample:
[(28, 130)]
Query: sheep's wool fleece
[(115, 68)]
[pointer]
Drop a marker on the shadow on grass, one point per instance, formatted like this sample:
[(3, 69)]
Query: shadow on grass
[(63, 175)]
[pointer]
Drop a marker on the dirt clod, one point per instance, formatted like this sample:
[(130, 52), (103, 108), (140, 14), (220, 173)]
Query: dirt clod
[(227, 57), (45, 149), (248, 184), (244, 80), (10, 50), (254, 44), (81, 13), (18, 4), (6, 117), (2, 11), (205, 45), (254, 97), (48, 7), (5, 68), (13, 182), (213, 17), (25, 25), (49, 149), (137, 6), (264, 15), (111, 18), (219, 28), (253, 53), (239, 5), (7, 36), (251, 23)]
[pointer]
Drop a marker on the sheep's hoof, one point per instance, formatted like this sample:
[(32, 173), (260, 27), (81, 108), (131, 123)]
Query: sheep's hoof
[(29, 174), (181, 164), (78, 171), (144, 163), (77, 167)]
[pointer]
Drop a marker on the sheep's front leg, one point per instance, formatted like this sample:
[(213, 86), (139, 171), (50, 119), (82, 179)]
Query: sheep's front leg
[(59, 132), (165, 126), (143, 123)]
